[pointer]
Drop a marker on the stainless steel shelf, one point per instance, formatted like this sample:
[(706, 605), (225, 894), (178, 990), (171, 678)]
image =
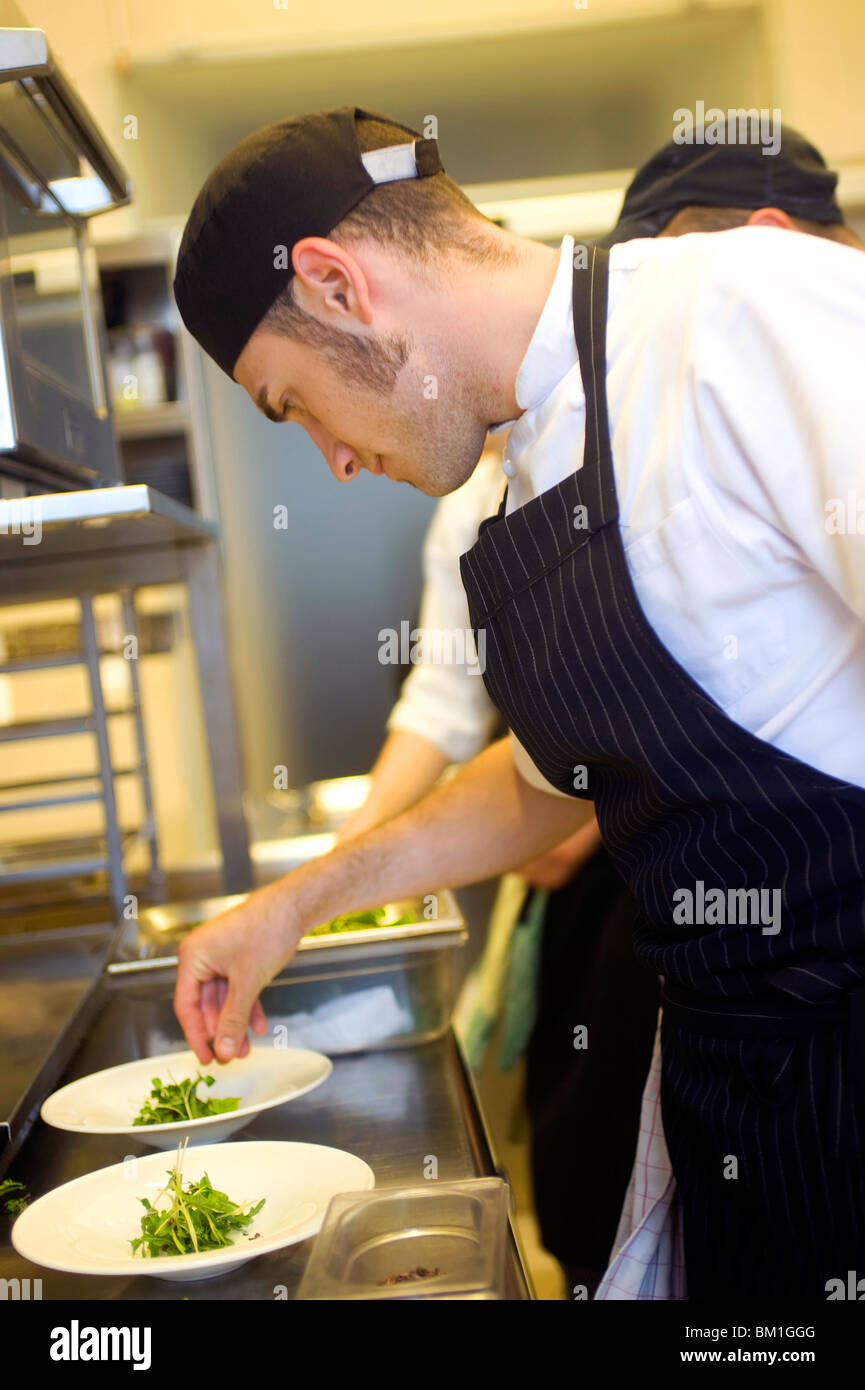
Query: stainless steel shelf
[(29, 785), (51, 661), (147, 421), (33, 862), (42, 802), (46, 728), (52, 728), (99, 519), (37, 871), (41, 663)]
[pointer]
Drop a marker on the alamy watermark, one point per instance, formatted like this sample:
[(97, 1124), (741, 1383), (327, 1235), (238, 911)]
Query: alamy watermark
[(711, 907), (433, 646), (22, 516), (851, 1288), (737, 126), (845, 516), (19, 1290), (77, 1343)]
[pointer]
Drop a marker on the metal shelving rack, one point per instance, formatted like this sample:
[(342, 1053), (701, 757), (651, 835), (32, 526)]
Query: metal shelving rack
[(145, 263), (39, 864), (115, 541)]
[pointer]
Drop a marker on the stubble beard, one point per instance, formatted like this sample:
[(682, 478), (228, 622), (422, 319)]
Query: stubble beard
[(444, 437)]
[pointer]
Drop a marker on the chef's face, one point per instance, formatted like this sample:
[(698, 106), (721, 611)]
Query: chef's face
[(405, 433), (371, 393)]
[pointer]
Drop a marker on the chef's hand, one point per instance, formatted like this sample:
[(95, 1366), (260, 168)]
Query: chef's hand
[(480, 823), (224, 965)]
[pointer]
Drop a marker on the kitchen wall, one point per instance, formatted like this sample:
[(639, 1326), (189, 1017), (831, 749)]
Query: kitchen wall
[(817, 65), (306, 602), (815, 50)]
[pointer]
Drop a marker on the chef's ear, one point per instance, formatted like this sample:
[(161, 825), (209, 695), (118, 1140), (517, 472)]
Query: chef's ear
[(329, 283), (771, 217)]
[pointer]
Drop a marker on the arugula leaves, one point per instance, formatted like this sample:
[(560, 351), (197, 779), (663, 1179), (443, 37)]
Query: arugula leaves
[(352, 921), (13, 1205), (178, 1101), (198, 1218), (349, 921)]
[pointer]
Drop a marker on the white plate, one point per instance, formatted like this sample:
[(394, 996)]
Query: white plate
[(85, 1226), (106, 1102)]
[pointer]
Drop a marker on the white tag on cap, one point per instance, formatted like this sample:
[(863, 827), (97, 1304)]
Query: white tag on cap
[(391, 163)]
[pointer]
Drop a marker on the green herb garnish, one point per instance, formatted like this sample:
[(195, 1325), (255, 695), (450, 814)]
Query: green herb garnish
[(13, 1205), (198, 1219), (175, 1102), (357, 921), (350, 921)]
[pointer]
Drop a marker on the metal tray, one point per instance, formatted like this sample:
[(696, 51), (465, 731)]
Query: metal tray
[(457, 1231), (150, 941), (379, 987)]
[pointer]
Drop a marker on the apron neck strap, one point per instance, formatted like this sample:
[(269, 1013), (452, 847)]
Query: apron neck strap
[(590, 332)]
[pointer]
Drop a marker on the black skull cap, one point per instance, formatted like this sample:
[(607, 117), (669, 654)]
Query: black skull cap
[(727, 172), (294, 179)]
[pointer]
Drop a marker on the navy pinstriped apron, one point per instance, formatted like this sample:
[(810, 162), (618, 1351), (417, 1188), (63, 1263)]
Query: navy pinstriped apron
[(764, 1031)]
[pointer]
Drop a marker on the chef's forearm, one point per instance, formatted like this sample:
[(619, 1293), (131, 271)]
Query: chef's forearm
[(486, 819)]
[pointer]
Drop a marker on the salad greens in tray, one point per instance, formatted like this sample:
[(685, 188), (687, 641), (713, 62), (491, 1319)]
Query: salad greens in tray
[(359, 921)]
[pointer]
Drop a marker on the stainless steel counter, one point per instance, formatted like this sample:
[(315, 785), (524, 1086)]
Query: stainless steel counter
[(44, 987), (394, 1108)]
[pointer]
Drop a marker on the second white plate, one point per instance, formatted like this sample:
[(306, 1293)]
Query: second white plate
[(106, 1102)]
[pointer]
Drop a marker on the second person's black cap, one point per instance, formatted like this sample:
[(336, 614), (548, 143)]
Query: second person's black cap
[(728, 173)]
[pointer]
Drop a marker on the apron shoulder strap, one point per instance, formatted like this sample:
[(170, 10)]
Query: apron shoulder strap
[(590, 332)]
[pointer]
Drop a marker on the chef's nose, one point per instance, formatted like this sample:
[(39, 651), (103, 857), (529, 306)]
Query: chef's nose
[(344, 463), (341, 458)]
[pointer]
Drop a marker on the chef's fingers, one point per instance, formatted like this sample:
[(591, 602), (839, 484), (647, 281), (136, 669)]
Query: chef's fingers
[(234, 1017), (258, 1023), (211, 1003), (258, 1019), (187, 1006)]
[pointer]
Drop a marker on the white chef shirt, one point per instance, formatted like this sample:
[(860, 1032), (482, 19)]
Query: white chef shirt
[(736, 390), (445, 703)]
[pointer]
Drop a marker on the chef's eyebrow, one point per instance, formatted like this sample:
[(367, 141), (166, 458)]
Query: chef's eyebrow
[(261, 402)]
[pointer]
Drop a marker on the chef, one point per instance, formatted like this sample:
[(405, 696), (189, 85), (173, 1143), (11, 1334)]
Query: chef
[(673, 602)]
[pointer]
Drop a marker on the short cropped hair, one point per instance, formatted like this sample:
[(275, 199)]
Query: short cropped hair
[(699, 218)]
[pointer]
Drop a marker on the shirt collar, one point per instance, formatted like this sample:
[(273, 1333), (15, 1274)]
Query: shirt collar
[(552, 350)]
